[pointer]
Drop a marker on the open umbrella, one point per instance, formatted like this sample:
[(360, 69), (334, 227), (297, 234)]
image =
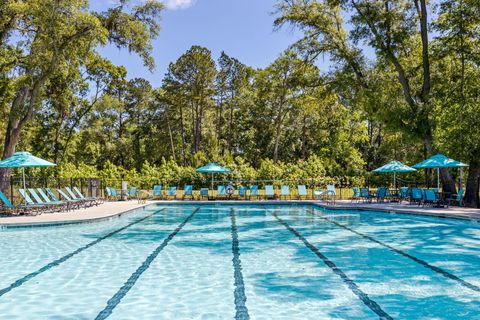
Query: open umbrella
[(395, 167), (213, 168), (439, 161), (24, 160)]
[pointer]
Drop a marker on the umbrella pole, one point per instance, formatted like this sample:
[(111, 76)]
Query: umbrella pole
[(394, 181), (23, 174), (438, 179)]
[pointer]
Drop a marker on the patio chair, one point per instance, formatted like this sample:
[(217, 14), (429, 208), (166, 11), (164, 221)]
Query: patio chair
[(157, 192), (285, 192), (365, 195), (302, 191), (269, 192), (458, 199), (172, 193), (242, 192), (253, 192), (381, 194), (203, 193), (356, 194), (416, 196), (403, 194), (133, 193), (9, 208), (331, 192), (221, 192), (430, 198), (187, 192)]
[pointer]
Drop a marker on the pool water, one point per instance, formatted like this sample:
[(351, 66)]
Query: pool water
[(243, 262)]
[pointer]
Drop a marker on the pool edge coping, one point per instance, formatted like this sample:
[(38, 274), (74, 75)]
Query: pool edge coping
[(322, 205)]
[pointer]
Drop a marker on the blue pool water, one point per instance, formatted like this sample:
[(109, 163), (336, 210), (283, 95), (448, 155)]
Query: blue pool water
[(243, 262)]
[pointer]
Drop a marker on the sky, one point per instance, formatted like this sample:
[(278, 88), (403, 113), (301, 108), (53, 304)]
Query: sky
[(241, 28)]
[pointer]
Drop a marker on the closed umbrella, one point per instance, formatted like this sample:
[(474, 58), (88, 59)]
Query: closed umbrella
[(395, 167), (24, 160), (213, 168), (439, 161)]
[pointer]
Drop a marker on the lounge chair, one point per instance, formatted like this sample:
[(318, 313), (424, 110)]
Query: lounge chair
[(187, 192), (72, 202), (172, 192), (157, 192), (38, 207), (73, 196), (221, 192), (242, 192), (53, 201), (112, 193), (96, 201), (356, 194), (302, 191), (8, 207), (253, 192), (269, 192), (203, 193), (458, 199), (51, 206)]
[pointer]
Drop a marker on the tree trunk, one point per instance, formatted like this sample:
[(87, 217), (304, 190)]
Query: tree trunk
[(472, 190)]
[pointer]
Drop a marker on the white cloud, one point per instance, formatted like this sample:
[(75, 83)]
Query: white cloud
[(178, 4)]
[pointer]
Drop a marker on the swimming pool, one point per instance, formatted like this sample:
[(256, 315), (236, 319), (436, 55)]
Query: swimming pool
[(243, 262)]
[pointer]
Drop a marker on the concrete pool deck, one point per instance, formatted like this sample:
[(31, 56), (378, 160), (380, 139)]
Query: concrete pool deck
[(109, 210)]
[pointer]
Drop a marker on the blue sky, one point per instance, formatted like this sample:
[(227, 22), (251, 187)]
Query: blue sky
[(241, 28)]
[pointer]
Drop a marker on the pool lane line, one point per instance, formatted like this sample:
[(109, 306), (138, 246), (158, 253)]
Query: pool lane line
[(61, 260), (375, 307), (239, 292), (424, 263), (122, 292)]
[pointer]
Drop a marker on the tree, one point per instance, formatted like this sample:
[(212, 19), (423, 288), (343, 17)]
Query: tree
[(46, 39)]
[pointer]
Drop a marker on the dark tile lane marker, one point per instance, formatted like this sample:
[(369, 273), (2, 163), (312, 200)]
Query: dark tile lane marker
[(349, 282), (427, 265), (239, 292), (117, 298), (61, 260)]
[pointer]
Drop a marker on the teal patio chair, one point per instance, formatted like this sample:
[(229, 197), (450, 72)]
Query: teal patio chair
[(253, 192), (48, 200), (302, 191), (403, 194), (365, 195), (50, 206), (416, 196), (356, 194), (38, 207), (221, 192), (458, 199), (96, 201), (285, 192), (73, 196), (269, 192), (157, 192), (431, 198), (203, 193), (381, 194), (242, 192), (187, 192), (72, 202), (132, 193), (172, 192), (9, 208)]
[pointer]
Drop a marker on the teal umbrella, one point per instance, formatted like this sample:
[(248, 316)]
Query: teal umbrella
[(439, 161), (213, 168), (395, 166), (24, 160)]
